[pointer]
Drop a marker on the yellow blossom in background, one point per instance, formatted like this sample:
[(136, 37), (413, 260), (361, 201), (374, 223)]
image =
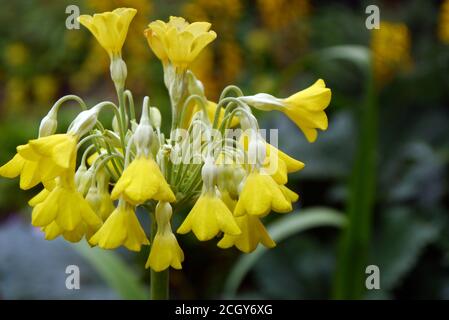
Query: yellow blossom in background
[(443, 22), (16, 54), (178, 41), (45, 88), (110, 28), (278, 14), (390, 45)]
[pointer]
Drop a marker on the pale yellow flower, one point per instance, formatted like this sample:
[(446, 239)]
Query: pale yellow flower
[(177, 41)]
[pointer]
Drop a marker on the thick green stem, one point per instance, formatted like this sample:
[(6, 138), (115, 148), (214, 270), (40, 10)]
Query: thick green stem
[(355, 240), (159, 280)]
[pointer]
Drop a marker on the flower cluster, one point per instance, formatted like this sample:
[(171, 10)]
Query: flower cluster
[(232, 180)]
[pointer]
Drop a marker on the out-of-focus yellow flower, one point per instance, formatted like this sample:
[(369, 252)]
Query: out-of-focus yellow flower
[(142, 180), (305, 108), (16, 54), (390, 45), (121, 228), (443, 23), (278, 14), (178, 41), (209, 216), (253, 233), (165, 250), (45, 88), (260, 195), (110, 28), (15, 94)]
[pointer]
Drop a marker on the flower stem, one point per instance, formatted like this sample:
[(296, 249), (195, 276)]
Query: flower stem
[(159, 280)]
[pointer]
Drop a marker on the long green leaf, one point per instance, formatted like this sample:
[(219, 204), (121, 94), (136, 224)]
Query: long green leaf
[(281, 229), (114, 271)]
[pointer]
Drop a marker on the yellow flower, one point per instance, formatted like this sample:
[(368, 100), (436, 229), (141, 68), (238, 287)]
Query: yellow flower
[(178, 41), (390, 45), (305, 108), (64, 206), (443, 23), (110, 28), (165, 250), (121, 228), (41, 159), (260, 195), (253, 232), (209, 216), (141, 181)]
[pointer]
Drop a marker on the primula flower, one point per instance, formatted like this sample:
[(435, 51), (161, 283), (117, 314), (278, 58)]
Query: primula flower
[(121, 228), (209, 216), (178, 41), (165, 250), (65, 206), (41, 159), (142, 180), (305, 108), (260, 195), (253, 233), (110, 28)]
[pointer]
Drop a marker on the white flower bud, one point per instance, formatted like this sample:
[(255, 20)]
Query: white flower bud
[(256, 150), (85, 121), (155, 117), (164, 213), (85, 181), (48, 124), (263, 101), (143, 134), (118, 71)]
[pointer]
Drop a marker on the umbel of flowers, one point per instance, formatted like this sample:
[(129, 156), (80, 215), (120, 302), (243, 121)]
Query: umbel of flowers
[(96, 174)]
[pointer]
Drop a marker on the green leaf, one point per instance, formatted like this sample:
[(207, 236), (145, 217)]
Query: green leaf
[(279, 230), (114, 271), (404, 234)]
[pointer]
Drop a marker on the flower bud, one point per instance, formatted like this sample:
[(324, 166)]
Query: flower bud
[(85, 121), (155, 117), (256, 150), (48, 124), (143, 134), (194, 85), (164, 213), (118, 71), (209, 173), (85, 181), (263, 101)]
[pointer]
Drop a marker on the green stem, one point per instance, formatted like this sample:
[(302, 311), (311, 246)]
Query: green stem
[(159, 280), (355, 239)]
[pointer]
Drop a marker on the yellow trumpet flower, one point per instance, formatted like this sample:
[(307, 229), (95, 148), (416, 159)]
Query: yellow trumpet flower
[(253, 233), (209, 216), (121, 228), (110, 28), (142, 180), (177, 41)]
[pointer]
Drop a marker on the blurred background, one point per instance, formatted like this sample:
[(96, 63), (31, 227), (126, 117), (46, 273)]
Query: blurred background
[(383, 161)]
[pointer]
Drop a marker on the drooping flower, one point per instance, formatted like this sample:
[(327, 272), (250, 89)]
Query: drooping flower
[(305, 108), (142, 180), (65, 206), (209, 216), (253, 233), (110, 28), (165, 250), (42, 159), (261, 194), (121, 228), (177, 41)]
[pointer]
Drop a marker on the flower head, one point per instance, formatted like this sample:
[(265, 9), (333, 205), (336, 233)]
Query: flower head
[(110, 28), (177, 41)]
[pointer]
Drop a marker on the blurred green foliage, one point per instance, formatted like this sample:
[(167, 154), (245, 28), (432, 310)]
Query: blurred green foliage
[(259, 50)]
